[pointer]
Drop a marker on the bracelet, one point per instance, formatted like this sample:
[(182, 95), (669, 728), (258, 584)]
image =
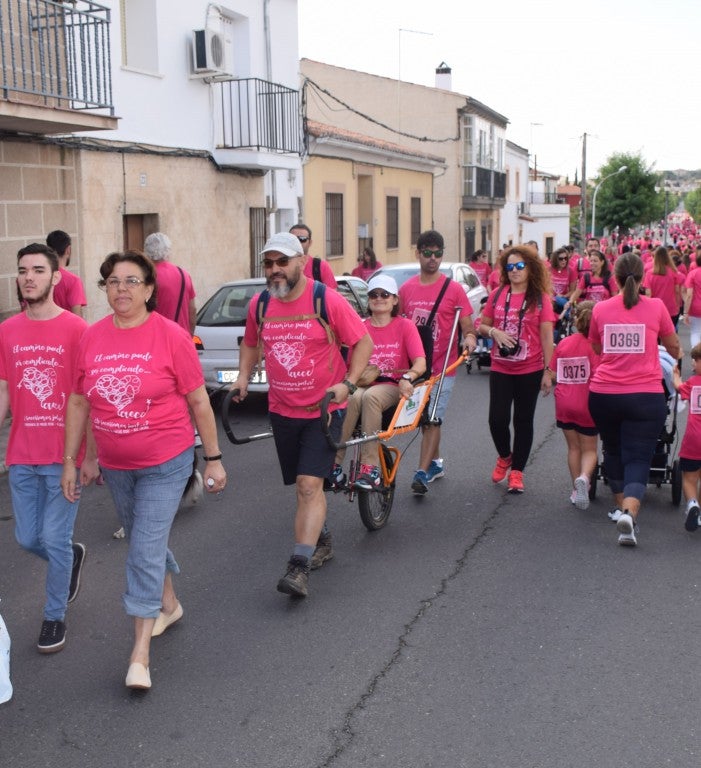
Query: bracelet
[(473, 334), (213, 458), (491, 332), (68, 458)]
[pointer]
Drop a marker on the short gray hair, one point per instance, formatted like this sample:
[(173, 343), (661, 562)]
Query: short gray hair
[(157, 246)]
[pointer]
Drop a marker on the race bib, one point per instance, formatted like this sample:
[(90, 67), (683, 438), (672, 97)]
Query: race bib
[(624, 338), (573, 370), (420, 317), (695, 401)]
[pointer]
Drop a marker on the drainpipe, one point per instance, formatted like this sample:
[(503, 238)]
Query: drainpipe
[(269, 78)]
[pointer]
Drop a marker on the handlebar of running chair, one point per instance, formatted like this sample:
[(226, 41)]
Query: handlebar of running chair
[(324, 408), (224, 412)]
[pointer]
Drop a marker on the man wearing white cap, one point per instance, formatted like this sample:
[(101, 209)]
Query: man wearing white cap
[(299, 333)]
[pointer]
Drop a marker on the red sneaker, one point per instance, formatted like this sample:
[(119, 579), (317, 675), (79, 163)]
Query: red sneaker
[(501, 468), (515, 481)]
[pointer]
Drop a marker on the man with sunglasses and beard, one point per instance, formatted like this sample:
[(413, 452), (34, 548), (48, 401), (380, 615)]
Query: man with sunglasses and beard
[(417, 298), (303, 361), (38, 353)]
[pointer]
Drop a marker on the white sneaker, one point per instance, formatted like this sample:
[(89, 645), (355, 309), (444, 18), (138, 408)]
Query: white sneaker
[(573, 495), (581, 492), (626, 529), (615, 514)]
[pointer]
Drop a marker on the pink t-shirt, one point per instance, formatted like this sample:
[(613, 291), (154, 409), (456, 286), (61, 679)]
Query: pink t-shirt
[(505, 311), (483, 269), (136, 380), (37, 360), (327, 275), (69, 292), (691, 443), (169, 284), (300, 362), (364, 273), (396, 346), (416, 302), (580, 264), (693, 281), (494, 279), (630, 361), (573, 361), (598, 288), (663, 287), (561, 279)]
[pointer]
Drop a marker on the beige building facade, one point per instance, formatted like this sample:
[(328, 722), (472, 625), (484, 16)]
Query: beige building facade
[(469, 187)]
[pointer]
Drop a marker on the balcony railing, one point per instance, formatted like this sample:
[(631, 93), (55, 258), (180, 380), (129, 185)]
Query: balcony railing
[(483, 184), (56, 54), (256, 114), (544, 198)]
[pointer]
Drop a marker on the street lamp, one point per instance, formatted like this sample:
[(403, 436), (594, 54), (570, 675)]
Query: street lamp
[(596, 189)]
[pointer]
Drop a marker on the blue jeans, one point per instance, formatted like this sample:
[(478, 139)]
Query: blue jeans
[(147, 500), (44, 521)]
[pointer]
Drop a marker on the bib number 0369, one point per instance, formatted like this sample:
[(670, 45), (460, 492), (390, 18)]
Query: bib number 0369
[(624, 339)]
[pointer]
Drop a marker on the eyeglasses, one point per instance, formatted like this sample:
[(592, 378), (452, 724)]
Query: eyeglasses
[(379, 295), (114, 283), (282, 261), (436, 254), (562, 258), (518, 265), (302, 239)]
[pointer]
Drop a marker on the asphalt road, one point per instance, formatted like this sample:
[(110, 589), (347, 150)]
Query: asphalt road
[(477, 629)]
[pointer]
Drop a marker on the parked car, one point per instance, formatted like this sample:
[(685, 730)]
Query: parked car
[(463, 274), (222, 321)]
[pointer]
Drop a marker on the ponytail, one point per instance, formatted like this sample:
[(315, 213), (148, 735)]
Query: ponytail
[(629, 275)]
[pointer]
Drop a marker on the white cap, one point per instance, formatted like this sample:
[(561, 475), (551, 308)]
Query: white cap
[(384, 282), (285, 243)]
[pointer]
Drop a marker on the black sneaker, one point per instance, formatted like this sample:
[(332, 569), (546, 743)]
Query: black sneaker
[(79, 553), (692, 518), (295, 581), (52, 637), (323, 551)]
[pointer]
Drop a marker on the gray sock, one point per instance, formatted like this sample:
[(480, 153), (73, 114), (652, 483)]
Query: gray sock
[(303, 550)]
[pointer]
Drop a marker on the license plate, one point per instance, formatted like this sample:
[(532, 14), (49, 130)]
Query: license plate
[(227, 377)]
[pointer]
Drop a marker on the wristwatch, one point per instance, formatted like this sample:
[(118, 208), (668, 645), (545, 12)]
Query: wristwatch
[(351, 387), (407, 377)]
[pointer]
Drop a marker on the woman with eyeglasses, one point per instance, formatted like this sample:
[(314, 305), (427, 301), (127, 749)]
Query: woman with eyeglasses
[(479, 261), (399, 355), (138, 378), (626, 396), (597, 285), (518, 316)]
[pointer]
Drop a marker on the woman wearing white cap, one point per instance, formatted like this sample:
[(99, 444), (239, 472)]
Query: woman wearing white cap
[(399, 354)]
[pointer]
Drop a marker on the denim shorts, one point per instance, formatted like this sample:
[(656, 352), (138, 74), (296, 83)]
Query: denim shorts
[(443, 400), (147, 500)]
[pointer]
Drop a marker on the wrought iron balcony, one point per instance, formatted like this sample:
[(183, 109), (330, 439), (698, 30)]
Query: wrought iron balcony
[(483, 188), (260, 117), (54, 55)]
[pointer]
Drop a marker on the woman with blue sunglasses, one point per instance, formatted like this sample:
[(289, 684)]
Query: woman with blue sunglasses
[(519, 318)]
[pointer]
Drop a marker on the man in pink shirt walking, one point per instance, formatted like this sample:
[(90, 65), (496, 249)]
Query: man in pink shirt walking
[(176, 294)]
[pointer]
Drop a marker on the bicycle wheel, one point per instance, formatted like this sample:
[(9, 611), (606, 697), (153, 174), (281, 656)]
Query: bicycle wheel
[(375, 506)]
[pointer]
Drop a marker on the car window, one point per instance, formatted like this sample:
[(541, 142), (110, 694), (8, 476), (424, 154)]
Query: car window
[(469, 277), (345, 290), (228, 306)]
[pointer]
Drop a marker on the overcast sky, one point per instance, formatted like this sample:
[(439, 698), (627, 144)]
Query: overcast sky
[(626, 72)]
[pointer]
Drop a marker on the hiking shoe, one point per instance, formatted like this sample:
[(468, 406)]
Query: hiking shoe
[(52, 637), (615, 514), (369, 478), (419, 485), (79, 553), (295, 581), (337, 477), (501, 468), (323, 551), (692, 518), (581, 492), (626, 529), (515, 481), (435, 470)]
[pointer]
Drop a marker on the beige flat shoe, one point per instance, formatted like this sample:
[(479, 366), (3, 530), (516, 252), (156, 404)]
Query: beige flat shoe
[(138, 677), (164, 620)]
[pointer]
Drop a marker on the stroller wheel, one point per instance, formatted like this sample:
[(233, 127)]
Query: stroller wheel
[(676, 483)]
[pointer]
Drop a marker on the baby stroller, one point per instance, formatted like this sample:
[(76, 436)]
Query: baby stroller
[(482, 355), (664, 467)]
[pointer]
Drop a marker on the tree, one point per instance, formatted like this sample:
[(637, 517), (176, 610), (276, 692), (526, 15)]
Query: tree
[(692, 203), (629, 198)]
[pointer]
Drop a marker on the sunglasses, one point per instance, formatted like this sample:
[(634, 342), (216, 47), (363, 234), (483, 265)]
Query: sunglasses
[(282, 261), (562, 258), (518, 265), (436, 254), (379, 295), (302, 239)]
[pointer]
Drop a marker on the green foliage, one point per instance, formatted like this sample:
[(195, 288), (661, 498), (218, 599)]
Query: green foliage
[(628, 198), (692, 203)]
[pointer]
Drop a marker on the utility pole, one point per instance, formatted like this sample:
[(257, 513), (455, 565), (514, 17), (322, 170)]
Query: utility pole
[(583, 216)]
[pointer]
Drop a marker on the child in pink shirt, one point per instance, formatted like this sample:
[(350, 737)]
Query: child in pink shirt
[(690, 452)]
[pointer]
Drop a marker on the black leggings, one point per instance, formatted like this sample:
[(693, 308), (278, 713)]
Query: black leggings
[(521, 390)]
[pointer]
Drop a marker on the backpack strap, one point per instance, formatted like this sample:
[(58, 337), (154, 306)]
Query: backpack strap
[(316, 269)]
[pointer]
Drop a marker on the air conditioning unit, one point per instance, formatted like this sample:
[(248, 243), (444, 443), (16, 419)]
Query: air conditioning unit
[(211, 53)]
